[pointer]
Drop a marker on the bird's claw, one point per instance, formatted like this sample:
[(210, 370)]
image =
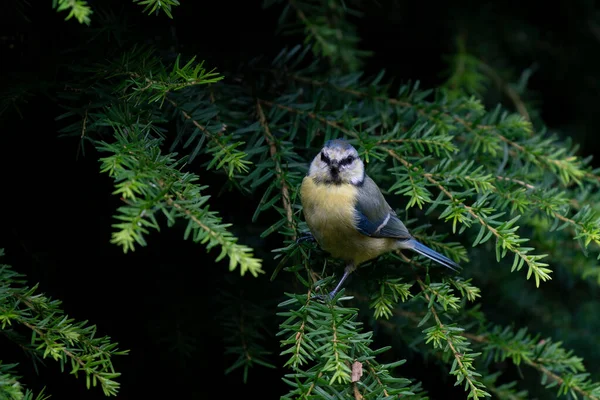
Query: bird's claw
[(322, 297), (306, 237)]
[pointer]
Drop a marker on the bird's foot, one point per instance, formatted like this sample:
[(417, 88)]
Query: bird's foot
[(326, 296), (323, 297), (306, 237)]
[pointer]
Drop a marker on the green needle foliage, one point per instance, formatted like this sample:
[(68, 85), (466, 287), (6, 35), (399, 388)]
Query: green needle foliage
[(77, 9), (512, 202), (81, 11), (40, 327)]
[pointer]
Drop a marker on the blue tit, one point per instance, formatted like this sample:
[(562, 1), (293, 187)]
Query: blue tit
[(348, 215)]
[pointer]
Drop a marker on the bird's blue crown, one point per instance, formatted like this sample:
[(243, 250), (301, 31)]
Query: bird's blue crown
[(340, 143)]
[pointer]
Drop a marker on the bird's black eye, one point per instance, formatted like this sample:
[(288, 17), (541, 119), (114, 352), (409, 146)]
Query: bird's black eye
[(347, 161), (325, 159)]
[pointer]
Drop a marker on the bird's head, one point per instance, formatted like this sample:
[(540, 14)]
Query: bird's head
[(337, 163)]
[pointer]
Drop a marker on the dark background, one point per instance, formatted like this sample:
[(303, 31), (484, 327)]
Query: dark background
[(57, 209)]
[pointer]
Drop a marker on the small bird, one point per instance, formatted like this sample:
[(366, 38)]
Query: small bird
[(348, 215)]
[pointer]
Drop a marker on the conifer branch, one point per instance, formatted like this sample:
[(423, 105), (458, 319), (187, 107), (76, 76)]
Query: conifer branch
[(517, 181), (566, 168), (374, 373), (332, 35), (150, 81), (243, 322), (557, 364), (462, 360), (585, 224), (226, 156), (273, 151), (152, 6), (506, 238), (78, 9), (12, 389), (150, 182), (542, 355), (325, 335), (54, 334)]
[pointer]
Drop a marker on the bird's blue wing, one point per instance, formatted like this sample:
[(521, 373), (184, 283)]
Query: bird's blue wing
[(374, 216)]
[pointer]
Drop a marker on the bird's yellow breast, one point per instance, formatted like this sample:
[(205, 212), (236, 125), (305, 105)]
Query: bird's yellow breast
[(330, 214)]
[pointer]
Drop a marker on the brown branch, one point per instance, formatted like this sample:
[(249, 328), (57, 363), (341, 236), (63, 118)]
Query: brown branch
[(312, 385), (210, 135), (285, 190), (191, 216), (300, 332), (517, 181), (374, 373), (85, 117), (201, 127), (171, 87), (83, 129), (357, 395)]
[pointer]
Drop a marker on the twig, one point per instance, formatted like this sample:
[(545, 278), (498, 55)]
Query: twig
[(170, 87), (285, 190), (191, 216), (312, 385), (522, 183), (374, 373), (85, 117), (300, 332), (357, 395), (201, 127), (210, 135)]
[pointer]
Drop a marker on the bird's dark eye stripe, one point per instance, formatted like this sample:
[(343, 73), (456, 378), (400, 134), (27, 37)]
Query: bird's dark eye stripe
[(325, 159), (347, 160)]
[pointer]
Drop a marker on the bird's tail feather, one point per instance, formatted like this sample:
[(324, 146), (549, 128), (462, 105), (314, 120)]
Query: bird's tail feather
[(433, 255)]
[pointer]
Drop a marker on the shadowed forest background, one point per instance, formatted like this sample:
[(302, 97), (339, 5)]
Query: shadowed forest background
[(165, 302)]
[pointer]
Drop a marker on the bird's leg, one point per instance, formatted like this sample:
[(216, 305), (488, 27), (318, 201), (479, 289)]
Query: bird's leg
[(347, 271), (306, 237)]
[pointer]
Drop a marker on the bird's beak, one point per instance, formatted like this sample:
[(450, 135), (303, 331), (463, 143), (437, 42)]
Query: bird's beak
[(334, 167)]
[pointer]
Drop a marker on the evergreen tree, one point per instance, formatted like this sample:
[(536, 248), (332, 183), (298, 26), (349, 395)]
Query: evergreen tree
[(469, 165)]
